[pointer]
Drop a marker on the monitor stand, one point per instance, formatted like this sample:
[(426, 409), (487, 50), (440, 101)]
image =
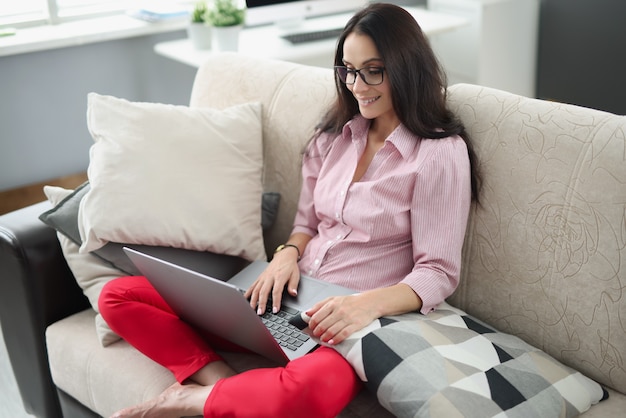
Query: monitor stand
[(289, 25)]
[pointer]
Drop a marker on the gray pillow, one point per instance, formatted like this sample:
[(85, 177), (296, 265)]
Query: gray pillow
[(63, 218)]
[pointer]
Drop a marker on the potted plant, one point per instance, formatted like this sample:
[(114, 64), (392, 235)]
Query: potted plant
[(199, 30), (227, 18)]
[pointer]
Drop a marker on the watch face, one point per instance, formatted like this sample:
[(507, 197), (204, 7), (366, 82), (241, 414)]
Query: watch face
[(283, 246)]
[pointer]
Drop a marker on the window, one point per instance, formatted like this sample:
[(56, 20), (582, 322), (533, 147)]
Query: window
[(38, 12), (12, 12), (49, 24)]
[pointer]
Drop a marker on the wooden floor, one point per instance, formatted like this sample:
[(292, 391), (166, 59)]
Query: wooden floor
[(33, 193), (10, 402)]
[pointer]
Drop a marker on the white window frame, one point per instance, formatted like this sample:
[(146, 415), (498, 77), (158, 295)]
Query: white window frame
[(53, 12)]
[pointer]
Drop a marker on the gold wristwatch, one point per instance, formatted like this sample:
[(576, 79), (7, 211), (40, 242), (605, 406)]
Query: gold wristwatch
[(283, 246)]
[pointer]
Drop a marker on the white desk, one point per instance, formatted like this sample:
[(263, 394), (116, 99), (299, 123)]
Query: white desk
[(265, 41)]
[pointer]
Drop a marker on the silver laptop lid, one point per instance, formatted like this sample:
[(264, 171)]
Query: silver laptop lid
[(213, 305)]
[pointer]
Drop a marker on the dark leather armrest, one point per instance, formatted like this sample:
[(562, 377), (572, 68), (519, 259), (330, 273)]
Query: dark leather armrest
[(36, 289)]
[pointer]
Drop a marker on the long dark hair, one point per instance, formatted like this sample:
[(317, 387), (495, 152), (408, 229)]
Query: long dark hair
[(418, 83)]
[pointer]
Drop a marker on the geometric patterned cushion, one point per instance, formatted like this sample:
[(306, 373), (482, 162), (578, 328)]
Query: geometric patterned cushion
[(448, 364)]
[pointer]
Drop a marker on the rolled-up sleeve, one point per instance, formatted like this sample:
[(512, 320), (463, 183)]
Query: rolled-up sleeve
[(439, 214)]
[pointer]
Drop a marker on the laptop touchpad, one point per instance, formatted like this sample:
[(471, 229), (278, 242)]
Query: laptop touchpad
[(308, 293)]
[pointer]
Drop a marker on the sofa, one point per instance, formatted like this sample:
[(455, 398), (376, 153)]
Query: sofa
[(544, 256)]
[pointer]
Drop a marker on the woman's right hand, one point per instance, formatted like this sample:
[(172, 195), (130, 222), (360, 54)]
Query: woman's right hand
[(282, 271)]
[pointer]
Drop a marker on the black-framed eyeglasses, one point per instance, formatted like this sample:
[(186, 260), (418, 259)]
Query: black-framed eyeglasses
[(372, 76)]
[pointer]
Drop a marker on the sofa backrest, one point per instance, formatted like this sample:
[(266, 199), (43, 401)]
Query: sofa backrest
[(545, 254), (545, 251), (294, 98)]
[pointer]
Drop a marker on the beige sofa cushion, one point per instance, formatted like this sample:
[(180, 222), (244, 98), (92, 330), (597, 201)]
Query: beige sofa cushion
[(545, 252)]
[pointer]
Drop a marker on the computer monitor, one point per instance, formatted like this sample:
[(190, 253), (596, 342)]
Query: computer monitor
[(291, 12)]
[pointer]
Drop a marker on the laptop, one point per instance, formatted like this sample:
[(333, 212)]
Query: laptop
[(220, 307)]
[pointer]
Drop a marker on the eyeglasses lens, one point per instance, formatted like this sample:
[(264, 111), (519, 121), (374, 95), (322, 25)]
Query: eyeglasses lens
[(370, 75)]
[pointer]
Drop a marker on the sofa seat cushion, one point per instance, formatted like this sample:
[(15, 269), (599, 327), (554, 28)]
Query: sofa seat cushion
[(106, 379), (103, 379)]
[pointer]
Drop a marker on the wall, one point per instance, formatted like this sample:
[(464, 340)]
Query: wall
[(43, 131)]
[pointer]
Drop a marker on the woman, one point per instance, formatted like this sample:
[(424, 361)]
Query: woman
[(387, 185)]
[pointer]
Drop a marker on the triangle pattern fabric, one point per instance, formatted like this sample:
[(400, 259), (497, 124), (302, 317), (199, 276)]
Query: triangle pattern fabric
[(378, 359), (449, 364), (502, 392), (502, 355), (476, 326)]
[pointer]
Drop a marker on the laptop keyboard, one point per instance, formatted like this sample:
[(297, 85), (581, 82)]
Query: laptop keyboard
[(287, 335), (302, 37)]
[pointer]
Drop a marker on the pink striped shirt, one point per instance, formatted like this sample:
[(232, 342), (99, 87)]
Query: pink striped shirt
[(404, 221)]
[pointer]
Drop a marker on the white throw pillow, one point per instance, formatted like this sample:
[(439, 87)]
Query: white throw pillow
[(174, 176), (91, 272)]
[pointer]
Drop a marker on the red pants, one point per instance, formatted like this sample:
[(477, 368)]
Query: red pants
[(319, 384)]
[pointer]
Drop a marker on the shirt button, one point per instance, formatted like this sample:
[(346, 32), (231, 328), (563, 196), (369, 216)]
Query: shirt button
[(317, 261), (338, 236), (310, 272), (337, 215), (343, 193)]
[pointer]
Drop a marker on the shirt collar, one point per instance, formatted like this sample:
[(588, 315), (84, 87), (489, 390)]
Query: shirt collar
[(401, 138)]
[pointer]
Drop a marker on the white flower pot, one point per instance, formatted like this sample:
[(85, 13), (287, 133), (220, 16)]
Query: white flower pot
[(226, 38), (200, 35)]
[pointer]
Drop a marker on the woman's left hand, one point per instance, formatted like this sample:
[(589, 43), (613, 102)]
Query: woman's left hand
[(334, 319)]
